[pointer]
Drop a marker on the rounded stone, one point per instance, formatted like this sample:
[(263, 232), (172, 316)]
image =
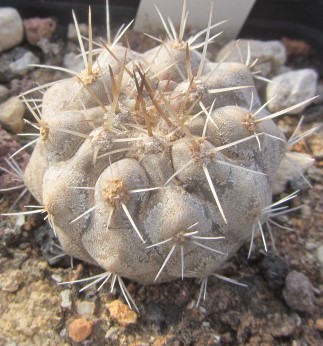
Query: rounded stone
[(11, 114), (290, 88), (11, 28), (270, 55), (80, 329)]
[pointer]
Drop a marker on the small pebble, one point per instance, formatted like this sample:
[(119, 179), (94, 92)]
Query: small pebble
[(202, 309), (11, 114), (270, 55), (85, 309), (122, 313), (21, 66), (291, 88), (206, 324), (63, 333), (274, 270), (298, 292), (50, 49), (7, 58), (66, 296), (71, 31), (80, 329), (11, 28), (57, 278)]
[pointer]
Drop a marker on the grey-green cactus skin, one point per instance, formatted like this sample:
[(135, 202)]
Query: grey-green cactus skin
[(155, 166)]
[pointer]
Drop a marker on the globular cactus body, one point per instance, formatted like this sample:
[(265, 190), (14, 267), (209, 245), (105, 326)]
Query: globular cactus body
[(155, 166)]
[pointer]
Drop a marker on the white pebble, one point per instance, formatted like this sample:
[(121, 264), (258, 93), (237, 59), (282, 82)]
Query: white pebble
[(66, 296), (71, 31), (11, 114), (57, 278), (85, 309), (270, 55), (291, 88), (21, 66), (11, 28)]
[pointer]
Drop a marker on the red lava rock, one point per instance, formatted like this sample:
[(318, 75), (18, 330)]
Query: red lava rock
[(296, 47), (122, 313), (80, 329), (37, 28), (298, 292)]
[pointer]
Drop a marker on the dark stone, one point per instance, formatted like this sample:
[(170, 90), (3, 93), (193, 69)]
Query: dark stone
[(274, 270)]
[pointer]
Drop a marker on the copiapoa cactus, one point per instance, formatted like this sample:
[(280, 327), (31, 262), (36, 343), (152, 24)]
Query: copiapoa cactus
[(155, 166)]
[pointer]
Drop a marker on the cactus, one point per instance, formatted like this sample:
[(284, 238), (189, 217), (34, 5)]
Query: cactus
[(155, 166)]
